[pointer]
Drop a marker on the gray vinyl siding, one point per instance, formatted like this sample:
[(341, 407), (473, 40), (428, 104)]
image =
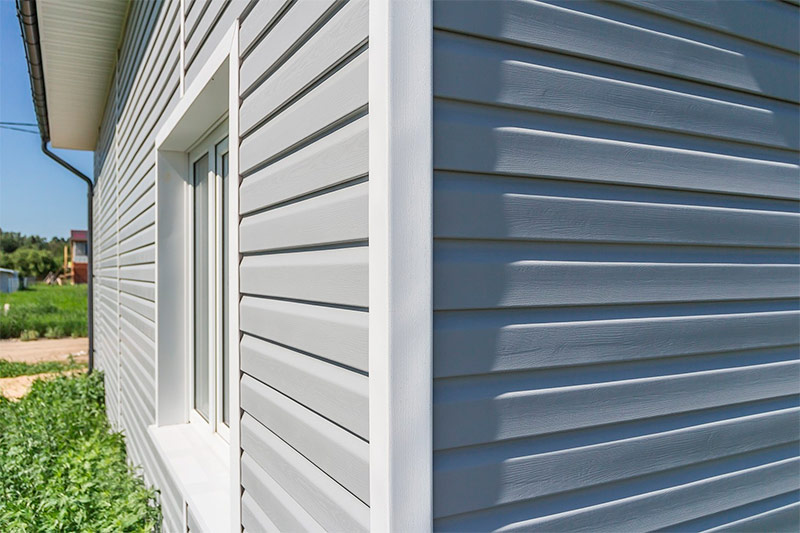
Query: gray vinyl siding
[(205, 24), (303, 240), (105, 273), (615, 266), (304, 269), (143, 92)]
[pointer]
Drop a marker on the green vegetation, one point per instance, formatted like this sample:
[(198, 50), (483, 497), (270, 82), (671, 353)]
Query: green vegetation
[(61, 467), (12, 369), (31, 255), (44, 311)]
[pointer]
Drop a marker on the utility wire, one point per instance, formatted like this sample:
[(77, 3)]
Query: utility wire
[(19, 129), (18, 124)]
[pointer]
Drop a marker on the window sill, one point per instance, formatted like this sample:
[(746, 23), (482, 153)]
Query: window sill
[(198, 462)]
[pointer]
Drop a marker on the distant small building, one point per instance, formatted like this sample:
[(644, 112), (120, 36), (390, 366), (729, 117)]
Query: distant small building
[(79, 256), (9, 280)]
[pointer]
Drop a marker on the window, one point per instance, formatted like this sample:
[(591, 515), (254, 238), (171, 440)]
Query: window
[(80, 249), (209, 355)]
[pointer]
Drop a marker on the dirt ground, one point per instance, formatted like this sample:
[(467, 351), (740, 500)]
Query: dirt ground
[(36, 352), (40, 350)]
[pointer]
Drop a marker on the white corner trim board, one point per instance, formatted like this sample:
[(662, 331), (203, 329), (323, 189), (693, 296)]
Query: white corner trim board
[(400, 265)]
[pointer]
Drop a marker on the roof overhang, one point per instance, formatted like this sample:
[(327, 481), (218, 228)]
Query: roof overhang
[(78, 40)]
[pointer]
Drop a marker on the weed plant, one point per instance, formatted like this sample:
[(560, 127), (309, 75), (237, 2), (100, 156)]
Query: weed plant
[(62, 468)]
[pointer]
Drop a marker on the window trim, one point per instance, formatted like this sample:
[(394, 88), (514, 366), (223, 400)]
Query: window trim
[(213, 91)]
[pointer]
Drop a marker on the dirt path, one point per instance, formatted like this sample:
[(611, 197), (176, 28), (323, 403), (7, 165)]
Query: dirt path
[(17, 387), (36, 352), (44, 350)]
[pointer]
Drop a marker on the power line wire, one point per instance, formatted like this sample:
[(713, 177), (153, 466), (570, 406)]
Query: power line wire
[(19, 129)]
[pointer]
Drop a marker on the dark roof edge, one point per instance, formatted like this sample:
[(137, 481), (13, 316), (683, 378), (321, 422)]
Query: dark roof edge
[(29, 26)]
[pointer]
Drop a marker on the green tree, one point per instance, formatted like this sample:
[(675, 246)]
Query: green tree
[(29, 261)]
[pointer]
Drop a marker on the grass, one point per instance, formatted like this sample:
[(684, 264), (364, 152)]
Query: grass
[(61, 466), (12, 369), (49, 311)]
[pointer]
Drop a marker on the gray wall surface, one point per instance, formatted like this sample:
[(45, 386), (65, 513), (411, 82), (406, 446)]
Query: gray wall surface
[(615, 266), (143, 92), (304, 270), (303, 239)]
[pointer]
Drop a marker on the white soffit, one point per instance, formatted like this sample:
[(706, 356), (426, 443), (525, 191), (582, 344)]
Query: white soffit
[(79, 44)]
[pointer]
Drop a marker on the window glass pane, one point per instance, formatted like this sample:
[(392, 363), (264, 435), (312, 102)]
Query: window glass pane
[(224, 274), (201, 301)]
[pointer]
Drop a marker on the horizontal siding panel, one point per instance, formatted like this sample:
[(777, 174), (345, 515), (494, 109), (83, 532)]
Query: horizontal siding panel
[(335, 158), (325, 500), (193, 17), (474, 141), (196, 38), (139, 322), (260, 18), (143, 289), (536, 81), (165, 42), (497, 341), (717, 60), (334, 392), (485, 208), (482, 412), (336, 217), (778, 520), (137, 208), (337, 452), (129, 198), (142, 347), (269, 497), (462, 487), (777, 26), (143, 238), (254, 519), (224, 20), (276, 43), (521, 282), (145, 218), (342, 34), (342, 94), (144, 307), (341, 335), (146, 254), (337, 276), (656, 502), (138, 273)]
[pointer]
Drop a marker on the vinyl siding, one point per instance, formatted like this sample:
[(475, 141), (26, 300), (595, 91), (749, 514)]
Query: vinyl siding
[(615, 266), (143, 92), (304, 270)]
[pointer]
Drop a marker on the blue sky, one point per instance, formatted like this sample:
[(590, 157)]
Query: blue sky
[(37, 196)]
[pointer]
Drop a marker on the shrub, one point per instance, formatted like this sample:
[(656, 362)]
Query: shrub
[(29, 261), (12, 369), (61, 467), (54, 332), (29, 335)]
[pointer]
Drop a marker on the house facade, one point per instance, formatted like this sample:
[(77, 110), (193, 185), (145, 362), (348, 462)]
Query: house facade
[(453, 266)]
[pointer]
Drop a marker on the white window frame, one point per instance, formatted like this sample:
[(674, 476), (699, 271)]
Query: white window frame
[(214, 145), (204, 468)]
